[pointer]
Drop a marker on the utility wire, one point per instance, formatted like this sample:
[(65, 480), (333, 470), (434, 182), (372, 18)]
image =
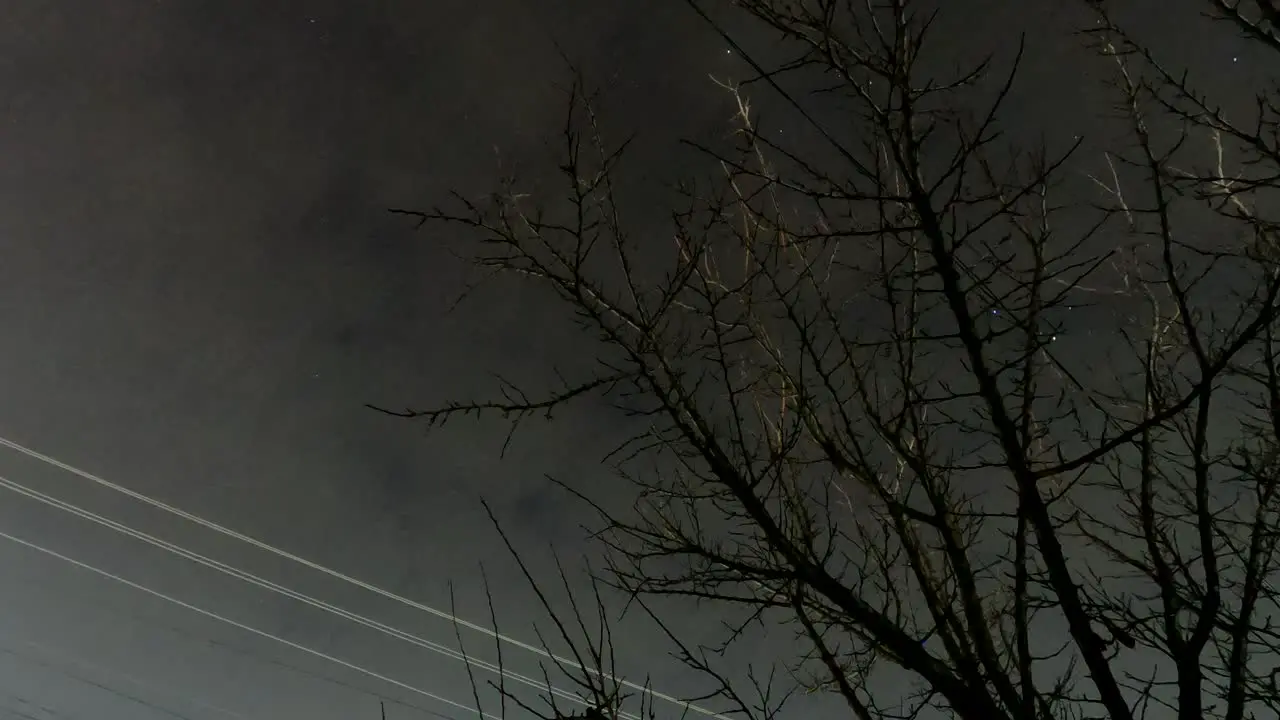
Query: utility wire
[(84, 663), (290, 593), (43, 710), (247, 628), (14, 712), (209, 524), (237, 650), (94, 683), (136, 682)]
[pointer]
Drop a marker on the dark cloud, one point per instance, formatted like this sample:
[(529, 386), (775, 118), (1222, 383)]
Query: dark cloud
[(200, 289)]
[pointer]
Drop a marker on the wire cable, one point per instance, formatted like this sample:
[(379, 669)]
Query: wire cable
[(94, 683), (14, 712), (82, 663), (209, 524), (295, 595), (150, 622), (242, 626), (43, 709)]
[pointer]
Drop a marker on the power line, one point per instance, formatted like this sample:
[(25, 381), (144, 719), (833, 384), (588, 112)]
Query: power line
[(85, 664), (209, 524), (43, 710), (247, 628), (230, 647), (133, 698), (293, 594), (17, 713), (94, 683)]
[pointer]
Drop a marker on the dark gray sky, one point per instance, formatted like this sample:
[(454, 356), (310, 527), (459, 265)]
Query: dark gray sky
[(200, 288)]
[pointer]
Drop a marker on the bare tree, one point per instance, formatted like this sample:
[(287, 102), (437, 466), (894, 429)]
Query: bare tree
[(870, 412), (588, 666)]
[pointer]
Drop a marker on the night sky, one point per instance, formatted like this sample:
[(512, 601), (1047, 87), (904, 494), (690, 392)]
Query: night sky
[(201, 288)]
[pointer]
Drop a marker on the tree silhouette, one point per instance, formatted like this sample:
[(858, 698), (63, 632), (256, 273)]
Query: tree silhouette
[(914, 393)]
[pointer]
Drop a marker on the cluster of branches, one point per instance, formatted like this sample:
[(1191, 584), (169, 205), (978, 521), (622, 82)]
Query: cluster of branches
[(872, 412)]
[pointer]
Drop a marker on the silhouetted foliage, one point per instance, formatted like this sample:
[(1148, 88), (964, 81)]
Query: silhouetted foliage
[(872, 411)]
